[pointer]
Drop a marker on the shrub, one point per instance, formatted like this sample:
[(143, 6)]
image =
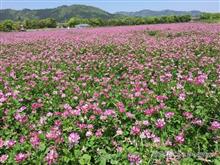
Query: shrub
[(8, 25)]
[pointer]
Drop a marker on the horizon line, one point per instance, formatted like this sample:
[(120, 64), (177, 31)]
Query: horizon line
[(99, 7)]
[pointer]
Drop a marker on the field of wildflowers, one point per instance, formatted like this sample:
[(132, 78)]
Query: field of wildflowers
[(113, 95)]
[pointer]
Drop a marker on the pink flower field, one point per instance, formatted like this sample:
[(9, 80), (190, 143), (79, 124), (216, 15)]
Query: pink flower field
[(111, 95)]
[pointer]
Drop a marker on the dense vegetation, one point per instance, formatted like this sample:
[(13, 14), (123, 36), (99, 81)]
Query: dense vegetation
[(43, 23), (146, 12), (129, 20), (210, 17), (138, 95), (9, 25)]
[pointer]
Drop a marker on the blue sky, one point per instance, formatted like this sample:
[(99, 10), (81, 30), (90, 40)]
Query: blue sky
[(118, 5)]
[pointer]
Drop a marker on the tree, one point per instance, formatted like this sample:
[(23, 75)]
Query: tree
[(7, 25), (185, 18), (95, 22), (40, 23), (150, 20), (50, 23), (170, 19), (76, 20), (1, 27), (210, 16), (27, 24), (35, 24)]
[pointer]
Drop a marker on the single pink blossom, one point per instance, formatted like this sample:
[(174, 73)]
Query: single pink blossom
[(99, 133), (180, 138), (169, 115), (10, 143), (74, 138), (182, 96), (188, 115), (1, 143), (35, 106), (89, 133), (160, 123), (51, 156), (135, 130), (3, 158), (21, 157), (156, 139), (199, 80), (134, 159), (119, 132), (215, 125)]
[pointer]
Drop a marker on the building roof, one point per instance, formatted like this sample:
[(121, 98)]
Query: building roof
[(82, 25)]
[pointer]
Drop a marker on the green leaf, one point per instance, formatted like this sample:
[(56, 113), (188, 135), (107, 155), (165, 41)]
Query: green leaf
[(103, 161), (217, 161), (42, 147), (114, 162), (187, 161), (85, 159), (77, 153)]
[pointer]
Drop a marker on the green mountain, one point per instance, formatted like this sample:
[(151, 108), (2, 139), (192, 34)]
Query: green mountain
[(145, 13), (61, 13)]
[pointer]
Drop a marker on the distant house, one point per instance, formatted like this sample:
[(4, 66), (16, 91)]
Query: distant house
[(82, 26), (22, 29)]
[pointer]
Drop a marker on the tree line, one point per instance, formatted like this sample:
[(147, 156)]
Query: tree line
[(210, 17), (9, 25), (128, 20)]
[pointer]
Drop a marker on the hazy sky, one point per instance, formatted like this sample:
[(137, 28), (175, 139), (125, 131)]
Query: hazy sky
[(118, 5)]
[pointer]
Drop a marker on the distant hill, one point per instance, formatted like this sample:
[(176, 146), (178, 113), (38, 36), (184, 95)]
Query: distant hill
[(61, 13), (144, 13)]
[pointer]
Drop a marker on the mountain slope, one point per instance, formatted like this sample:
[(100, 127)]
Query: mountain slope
[(61, 13), (144, 13)]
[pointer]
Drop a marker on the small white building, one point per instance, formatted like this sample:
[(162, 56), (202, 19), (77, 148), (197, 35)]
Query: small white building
[(82, 26), (22, 29)]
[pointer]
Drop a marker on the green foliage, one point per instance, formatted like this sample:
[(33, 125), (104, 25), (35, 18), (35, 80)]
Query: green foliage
[(152, 32), (149, 20), (118, 21), (210, 17), (217, 161), (96, 22), (85, 159), (43, 23), (49, 23), (8, 25), (92, 21), (75, 20), (1, 27)]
